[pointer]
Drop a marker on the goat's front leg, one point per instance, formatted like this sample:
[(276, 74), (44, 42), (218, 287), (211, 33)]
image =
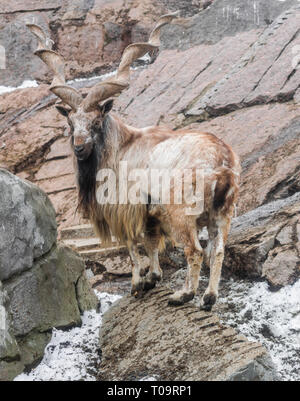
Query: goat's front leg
[(137, 281), (194, 258), (217, 245)]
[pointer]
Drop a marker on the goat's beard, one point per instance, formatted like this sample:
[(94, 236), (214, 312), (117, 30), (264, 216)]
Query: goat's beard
[(87, 168), (87, 171)]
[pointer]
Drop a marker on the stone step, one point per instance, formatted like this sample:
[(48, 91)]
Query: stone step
[(99, 254), (82, 244), (80, 231)]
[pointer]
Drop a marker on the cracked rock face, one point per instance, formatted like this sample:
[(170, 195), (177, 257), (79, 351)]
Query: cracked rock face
[(43, 285), (147, 337)]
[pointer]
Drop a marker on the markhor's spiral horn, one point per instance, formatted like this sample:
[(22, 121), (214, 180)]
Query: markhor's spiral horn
[(102, 90)]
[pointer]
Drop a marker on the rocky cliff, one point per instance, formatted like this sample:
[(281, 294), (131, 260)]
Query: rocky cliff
[(229, 67)]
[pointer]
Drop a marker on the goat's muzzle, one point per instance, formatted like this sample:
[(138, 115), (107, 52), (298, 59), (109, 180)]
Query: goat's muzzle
[(82, 152)]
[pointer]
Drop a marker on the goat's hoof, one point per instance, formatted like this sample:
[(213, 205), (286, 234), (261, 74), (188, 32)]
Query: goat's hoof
[(208, 302), (137, 290), (144, 271), (149, 285), (151, 280), (180, 298)]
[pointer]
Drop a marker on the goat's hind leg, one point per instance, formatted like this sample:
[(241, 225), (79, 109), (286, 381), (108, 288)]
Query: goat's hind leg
[(194, 255), (217, 237)]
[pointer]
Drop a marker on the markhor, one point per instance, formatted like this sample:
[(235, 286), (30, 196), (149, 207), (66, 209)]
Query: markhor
[(132, 391)]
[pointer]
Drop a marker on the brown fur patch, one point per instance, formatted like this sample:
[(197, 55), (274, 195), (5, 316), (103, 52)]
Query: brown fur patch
[(225, 181)]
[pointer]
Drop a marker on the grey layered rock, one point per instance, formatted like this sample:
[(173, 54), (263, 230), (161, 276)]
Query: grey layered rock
[(28, 225), (266, 242), (147, 337), (45, 296)]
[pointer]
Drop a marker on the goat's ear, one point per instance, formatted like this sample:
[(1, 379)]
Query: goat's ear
[(64, 111), (106, 107)]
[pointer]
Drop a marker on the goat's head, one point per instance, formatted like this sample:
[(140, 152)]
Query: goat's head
[(86, 115), (85, 126)]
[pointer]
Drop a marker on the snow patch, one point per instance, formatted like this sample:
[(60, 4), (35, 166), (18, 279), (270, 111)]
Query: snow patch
[(108, 74), (272, 318), (73, 355), (25, 84), (34, 84), (102, 77), (149, 379)]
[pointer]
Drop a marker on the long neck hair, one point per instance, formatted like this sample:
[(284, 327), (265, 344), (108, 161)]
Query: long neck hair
[(87, 172)]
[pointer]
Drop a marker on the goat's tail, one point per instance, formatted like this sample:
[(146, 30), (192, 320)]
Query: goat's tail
[(225, 189)]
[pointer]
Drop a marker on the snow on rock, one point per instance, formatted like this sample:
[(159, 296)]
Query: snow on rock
[(149, 379), (272, 318), (34, 84), (25, 84), (73, 355), (102, 77)]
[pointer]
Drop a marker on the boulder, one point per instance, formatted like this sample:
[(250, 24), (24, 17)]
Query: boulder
[(146, 337), (28, 226), (45, 296), (266, 243), (39, 151), (43, 284)]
